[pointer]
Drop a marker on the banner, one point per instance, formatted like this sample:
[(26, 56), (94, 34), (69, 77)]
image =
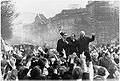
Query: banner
[(5, 46)]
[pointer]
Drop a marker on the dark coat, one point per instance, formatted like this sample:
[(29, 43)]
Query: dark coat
[(37, 78), (83, 43), (53, 76), (73, 45), (63, 45), (67, 76)]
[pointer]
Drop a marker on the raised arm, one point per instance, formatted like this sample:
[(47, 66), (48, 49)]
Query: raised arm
[(92, 38)]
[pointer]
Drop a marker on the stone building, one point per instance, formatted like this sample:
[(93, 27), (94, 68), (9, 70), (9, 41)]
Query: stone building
[(100, 17), (106, 20), (73, 20)]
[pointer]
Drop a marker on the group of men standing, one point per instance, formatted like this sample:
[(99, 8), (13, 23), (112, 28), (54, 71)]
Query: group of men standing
[(72, 45)]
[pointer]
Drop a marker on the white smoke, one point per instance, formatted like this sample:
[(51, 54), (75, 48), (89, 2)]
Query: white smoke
[(20, 33), (25, 32)]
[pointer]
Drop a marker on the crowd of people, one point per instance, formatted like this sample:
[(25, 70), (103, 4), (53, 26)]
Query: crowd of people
[(71, 60)]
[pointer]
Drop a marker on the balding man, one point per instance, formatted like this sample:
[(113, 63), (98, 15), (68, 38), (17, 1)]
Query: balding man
[(83, 44)]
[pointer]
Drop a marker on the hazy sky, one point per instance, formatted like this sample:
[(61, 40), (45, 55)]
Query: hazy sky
[(47, 7), (29, 8)]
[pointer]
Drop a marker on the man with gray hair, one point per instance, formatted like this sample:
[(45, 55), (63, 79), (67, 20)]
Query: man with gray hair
[(83, 44)]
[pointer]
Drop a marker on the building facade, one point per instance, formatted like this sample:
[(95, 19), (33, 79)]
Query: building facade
[(106, 19), (100, 17)]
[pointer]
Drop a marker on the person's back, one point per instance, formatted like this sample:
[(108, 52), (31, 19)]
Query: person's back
[(67, 76), (52, 75), (77, 73), (36, 74), (22, 74), (105, 61), (100, 72), (108, 64), (37, 78)]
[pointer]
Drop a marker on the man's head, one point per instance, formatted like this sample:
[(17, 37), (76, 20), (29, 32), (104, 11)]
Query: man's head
[(95, 55), (62, 70), (72, 36), (107, 55), (14, 72), (36, 71), (82, 34), (77, 73), (63, 34), (22, 72), (101, 71)]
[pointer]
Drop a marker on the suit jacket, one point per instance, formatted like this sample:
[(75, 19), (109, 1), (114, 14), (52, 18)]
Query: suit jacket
[(63, 45), (73, 45), (83, 43)]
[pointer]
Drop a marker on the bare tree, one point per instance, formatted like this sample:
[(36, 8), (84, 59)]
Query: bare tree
[(8, 14)]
